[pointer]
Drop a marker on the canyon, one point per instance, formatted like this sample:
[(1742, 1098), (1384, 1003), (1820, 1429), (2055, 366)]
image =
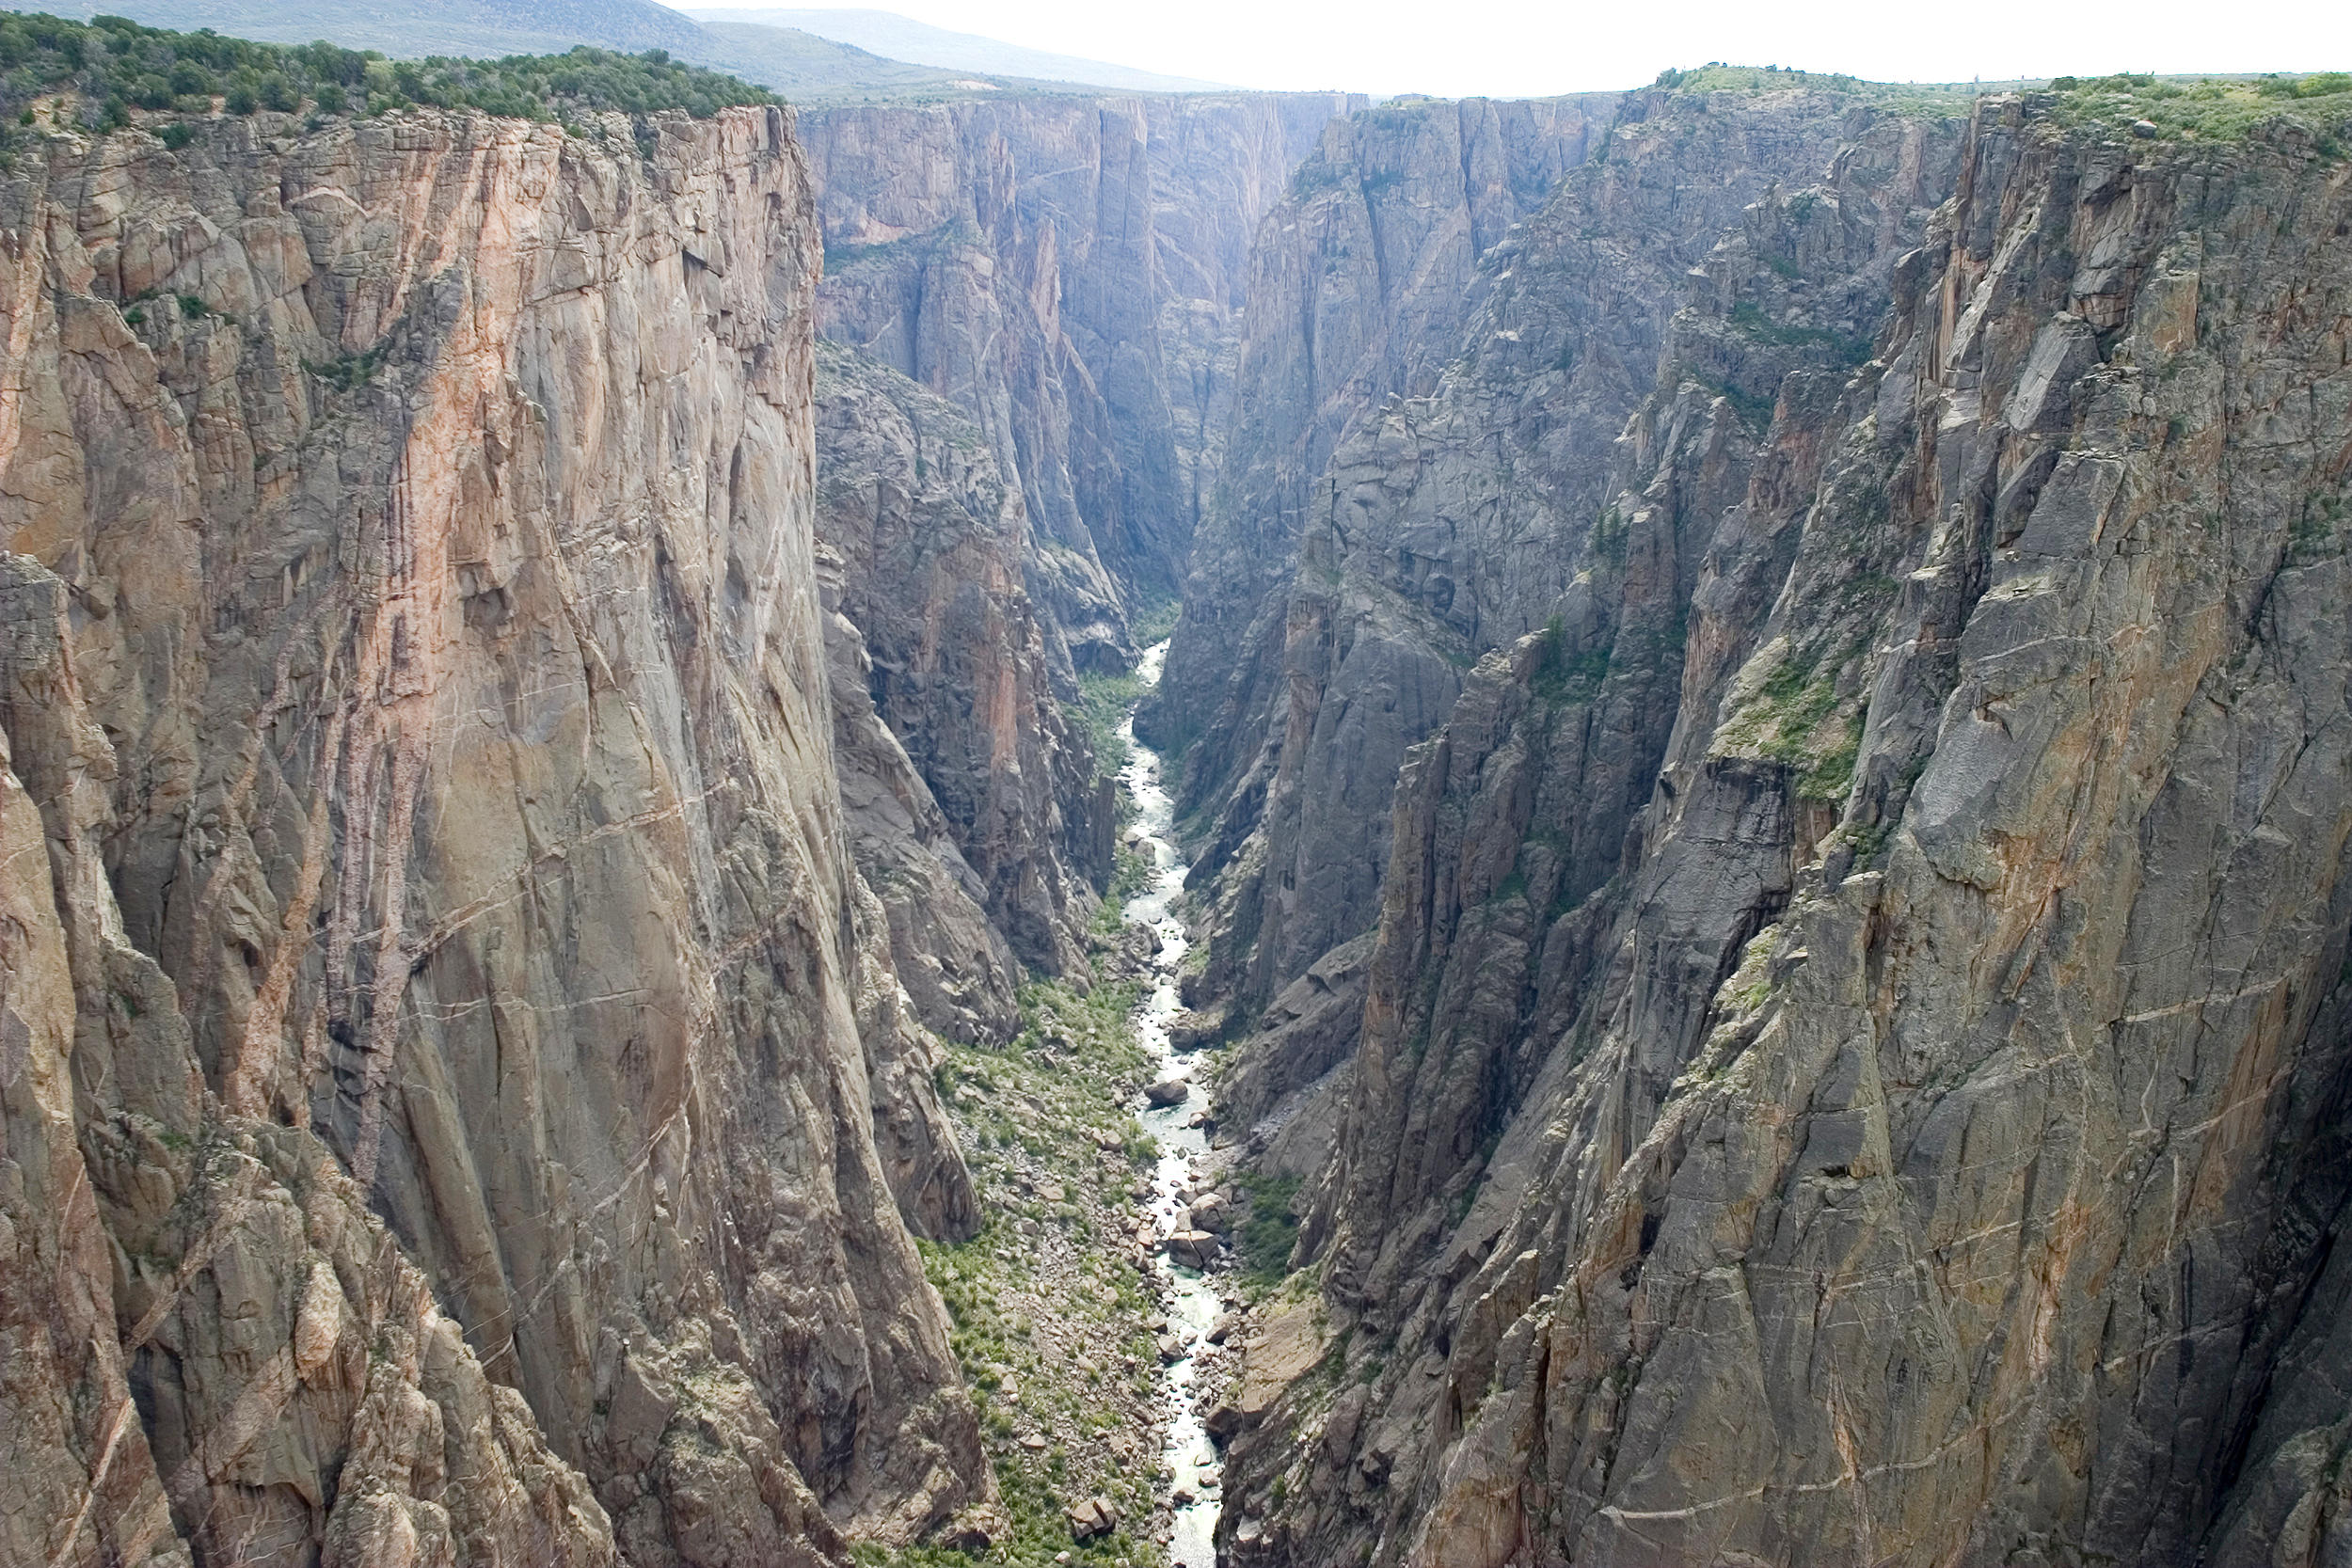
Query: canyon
[(1216, 828)]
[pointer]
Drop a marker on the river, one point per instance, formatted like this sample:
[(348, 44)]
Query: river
[(1193, 1302)]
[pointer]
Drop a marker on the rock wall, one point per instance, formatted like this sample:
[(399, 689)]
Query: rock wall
[(981, 799), (1424, 520), (1358, 285), (1070, 273), (415, 661), (1910, 1133)]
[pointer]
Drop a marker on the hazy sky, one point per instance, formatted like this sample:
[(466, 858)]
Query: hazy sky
[(1527, 47)]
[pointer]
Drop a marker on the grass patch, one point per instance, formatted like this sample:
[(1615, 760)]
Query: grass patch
[(349, 371), (1752, 322), (1755, 409), (1793, 718), (1831, 773)]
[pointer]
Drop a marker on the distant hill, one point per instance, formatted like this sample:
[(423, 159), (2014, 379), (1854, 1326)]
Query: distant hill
[(810, 68), (411, 28), (901, 37), (800, 64)]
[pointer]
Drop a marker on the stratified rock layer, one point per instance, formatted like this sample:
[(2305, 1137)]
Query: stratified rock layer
[(1923, 1143), (417, 658)]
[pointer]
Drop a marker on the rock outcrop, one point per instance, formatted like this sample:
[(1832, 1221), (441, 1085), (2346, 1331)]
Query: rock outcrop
[(1855, 1056), (416, 663), (1070, 273)]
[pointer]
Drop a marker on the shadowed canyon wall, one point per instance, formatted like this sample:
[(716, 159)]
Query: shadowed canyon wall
[(952, 668), (1070, 273), (1373, 555), (1852, 1055)]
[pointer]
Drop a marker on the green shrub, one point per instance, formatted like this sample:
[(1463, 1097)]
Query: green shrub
[(177, 135), (2207, 110), (349, 371), (1263, 1241), (114, 64)]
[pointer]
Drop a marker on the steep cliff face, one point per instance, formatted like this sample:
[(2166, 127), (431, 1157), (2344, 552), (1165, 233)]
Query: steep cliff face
[(422, 681), (1908, 1128), (1069, 273), (951, 660), (1358, 285), (1444, 526)]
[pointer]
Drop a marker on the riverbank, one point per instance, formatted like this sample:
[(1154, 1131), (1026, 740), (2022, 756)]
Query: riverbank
[(1088, 1352)]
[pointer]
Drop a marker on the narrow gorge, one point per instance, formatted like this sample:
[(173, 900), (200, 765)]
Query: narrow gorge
[(1224, 830)]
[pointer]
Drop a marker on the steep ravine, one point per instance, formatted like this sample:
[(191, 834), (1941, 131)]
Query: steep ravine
[(1069, 271), (1742, 840)]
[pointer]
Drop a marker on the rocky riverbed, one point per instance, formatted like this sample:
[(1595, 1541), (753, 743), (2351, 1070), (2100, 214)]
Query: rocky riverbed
[(1096, 1314), (1188, 1214)]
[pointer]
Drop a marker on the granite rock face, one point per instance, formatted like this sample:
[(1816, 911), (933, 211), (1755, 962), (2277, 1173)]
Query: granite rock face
[(1358, 285), (1070, 273), (1446, 517), (416, 662), (955, 665), (211, 1342), (1908, 1127)]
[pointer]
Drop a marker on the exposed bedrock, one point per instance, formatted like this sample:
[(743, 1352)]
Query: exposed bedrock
[(1855, 1051), (971, 795), (1359, 284), (1449, 521), (417, 663)]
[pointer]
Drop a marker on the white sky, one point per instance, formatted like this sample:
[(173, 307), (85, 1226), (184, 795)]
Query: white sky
[(1521, 48)]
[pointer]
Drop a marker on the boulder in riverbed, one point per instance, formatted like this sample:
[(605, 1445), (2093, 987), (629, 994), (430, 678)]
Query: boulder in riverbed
[(1194, 1249)]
